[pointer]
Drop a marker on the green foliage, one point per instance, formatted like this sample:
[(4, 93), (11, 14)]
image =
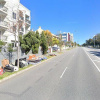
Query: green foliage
[(44, 44), (1, 44), (60, 41), (75, 43), (48, 36), (35, 48), (37, 35), (90, 42), (29, 42), (21, 40), (55, 41), (95, 39), (9, 48)]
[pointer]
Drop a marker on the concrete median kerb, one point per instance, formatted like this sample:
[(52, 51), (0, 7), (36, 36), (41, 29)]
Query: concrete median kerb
[(17, 73)]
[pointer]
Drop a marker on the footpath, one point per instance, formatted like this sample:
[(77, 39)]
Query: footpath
[(9, 75)]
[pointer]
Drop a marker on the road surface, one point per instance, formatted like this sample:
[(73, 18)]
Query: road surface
[(73, 75)]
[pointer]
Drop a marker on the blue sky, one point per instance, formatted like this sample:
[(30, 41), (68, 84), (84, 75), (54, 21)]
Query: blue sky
[(80, 17)]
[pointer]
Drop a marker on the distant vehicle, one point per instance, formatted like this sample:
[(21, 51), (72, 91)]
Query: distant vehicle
[(89, 46), (55, 48)]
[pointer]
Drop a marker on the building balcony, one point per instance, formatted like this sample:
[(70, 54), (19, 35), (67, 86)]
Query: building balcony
[(3, 11), (3, 25), (21, 18), (21, 31), (28, 22)]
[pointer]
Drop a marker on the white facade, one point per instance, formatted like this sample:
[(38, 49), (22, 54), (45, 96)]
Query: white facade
[(71, 38), (67, 36), (64, 36), (12, 12)]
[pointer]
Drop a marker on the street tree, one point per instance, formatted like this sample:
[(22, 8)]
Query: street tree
[(49, 37), (16, 26), (29, 42), (60, 41), (97, 39), (90, 42), (55, 41), (43, 43), (37, 35), (1, 44)]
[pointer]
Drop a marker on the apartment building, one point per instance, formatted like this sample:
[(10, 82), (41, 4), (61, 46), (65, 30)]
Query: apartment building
[(71, 38), (67, 36), (14, 19), (64, 36)]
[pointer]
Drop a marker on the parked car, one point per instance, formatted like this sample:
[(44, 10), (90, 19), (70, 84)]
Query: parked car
[(55, 48)]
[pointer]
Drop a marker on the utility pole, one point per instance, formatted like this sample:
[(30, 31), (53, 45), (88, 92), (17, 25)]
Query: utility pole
[(60, 40), (94, 41)]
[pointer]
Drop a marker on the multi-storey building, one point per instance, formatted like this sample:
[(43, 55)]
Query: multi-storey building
[(67, 36), (14, 20), (64, 36), (71, 38)]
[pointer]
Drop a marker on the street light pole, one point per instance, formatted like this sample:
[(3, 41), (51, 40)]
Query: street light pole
[(94, 41)]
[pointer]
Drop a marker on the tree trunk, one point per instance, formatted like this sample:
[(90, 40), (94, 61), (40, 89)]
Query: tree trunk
[(18, 51)]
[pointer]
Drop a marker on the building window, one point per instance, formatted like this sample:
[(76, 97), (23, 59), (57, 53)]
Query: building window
[(14, 15), (64, 34), (64, 37), (22, 29)]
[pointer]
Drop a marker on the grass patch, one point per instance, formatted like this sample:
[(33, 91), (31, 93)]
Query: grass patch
[(60, 52), (70, 48), (6, 74), (48, 57)]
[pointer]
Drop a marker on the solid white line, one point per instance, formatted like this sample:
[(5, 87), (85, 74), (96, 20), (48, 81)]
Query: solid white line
[(63, 73), (93, 61)]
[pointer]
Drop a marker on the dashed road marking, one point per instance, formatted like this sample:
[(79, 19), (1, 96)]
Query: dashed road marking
[(63, 72)]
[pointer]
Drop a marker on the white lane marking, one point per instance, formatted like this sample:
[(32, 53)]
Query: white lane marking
[(93, 61), (63, 72)]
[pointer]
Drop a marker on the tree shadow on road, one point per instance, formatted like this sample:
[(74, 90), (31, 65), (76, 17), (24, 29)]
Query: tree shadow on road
[(96, 53)]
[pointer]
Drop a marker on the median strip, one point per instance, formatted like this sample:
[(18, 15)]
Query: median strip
[(92, 61)]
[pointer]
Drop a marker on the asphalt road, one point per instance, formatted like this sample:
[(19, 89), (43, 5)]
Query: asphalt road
[(73, 75)]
